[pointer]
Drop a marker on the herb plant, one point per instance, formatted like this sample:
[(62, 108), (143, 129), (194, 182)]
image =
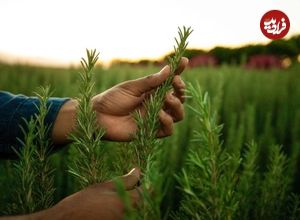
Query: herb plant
[(34, 171), (87, 165), (148, 124), (151, 156)]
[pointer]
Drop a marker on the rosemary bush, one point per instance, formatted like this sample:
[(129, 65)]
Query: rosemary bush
[(219, 183), (210, 176)]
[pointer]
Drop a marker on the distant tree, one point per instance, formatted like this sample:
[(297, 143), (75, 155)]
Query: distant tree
[(223, 54), (189, 53), (296, 42), (283, 48)]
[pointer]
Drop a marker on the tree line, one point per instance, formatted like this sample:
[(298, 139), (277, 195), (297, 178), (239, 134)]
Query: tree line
[(284, 48)]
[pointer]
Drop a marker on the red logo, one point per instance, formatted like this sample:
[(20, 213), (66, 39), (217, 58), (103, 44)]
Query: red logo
[(275, 24)]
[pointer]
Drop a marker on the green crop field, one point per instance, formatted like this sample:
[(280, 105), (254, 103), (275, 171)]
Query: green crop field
[(254, 158)]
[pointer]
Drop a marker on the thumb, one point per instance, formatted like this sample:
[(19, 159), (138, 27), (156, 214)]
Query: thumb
[(129, 180), (147, 83)]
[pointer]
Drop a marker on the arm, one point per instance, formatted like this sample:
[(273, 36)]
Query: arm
[(113, 109), (99, 201)]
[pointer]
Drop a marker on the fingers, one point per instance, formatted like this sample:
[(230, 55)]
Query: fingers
[(182, 65), (129, 180), (173, 112), (166, 124), (174, 107), (179, 88), (135, 195), (146, 84), (132, 178), (152, 81), (178, 84)]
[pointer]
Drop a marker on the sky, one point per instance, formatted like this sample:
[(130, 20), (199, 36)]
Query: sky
[(58, 31)]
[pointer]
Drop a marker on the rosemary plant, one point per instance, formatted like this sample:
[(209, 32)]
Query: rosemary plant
[(274, 187), (207, 181), (34, 169), (26, 173), (220, 183), (294, 207), (246, 187), (45, 182), (87, 164)]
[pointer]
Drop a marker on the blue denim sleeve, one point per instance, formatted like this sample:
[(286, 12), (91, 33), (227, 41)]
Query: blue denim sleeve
[(13, 110)]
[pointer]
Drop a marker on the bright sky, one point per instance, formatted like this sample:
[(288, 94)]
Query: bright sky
[(58, 31)]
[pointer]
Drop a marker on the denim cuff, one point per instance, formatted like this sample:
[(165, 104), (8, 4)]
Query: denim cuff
[(14, 111)]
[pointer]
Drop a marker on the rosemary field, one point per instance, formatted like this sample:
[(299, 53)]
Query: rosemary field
[(241, 133)]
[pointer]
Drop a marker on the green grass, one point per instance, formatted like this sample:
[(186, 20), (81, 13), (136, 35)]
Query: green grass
[(263, 106)]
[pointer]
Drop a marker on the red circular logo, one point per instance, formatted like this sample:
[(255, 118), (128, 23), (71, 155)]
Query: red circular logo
[(275, 24)]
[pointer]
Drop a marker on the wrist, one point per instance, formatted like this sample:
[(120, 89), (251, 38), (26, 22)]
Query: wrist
[(65, 122)]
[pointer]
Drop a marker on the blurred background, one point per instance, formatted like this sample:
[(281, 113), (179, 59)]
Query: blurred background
[(253, 82), (57, 32)]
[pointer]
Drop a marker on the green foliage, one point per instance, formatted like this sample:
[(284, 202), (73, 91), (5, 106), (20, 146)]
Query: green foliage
[(87, 165), (159, 163), (26, 174), (222, 178), (294, 207), (45, 188), (34, 171), (273, 187), (221, 184), (246, 191), (209, 179), (148, 124)]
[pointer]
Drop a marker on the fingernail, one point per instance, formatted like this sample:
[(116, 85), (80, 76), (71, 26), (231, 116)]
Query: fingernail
[(131, 171), (185, 60), (134, 172), (166, 68)]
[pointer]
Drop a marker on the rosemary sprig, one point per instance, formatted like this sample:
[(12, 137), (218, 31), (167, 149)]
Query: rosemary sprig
[(34, 171), (87, 166), (145, 137), (152, 158)]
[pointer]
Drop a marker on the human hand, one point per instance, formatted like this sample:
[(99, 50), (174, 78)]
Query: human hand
[(115, 106), (99, 201)]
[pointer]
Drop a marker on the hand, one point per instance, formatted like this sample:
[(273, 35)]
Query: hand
[(99, 201), (115, 106)]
